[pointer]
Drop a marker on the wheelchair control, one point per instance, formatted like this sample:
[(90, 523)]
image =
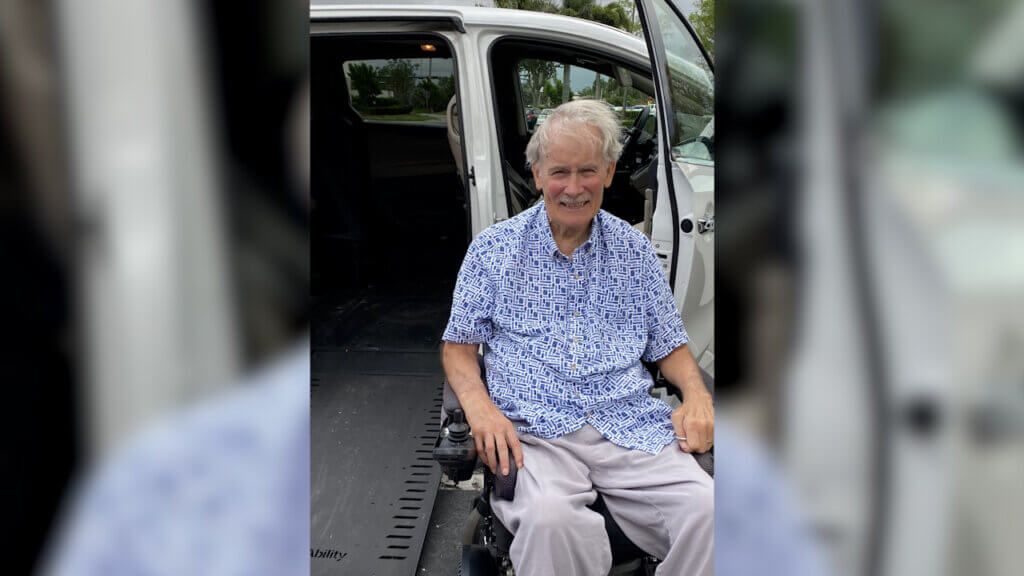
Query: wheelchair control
[(455, 450)]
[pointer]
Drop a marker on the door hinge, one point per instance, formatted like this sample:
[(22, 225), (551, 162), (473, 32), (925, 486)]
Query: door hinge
[(472, 176)]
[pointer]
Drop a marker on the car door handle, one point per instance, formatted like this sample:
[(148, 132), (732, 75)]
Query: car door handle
[(706, 224)]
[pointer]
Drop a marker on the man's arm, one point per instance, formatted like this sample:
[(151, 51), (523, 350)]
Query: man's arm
[(695, 419), (493, 432)]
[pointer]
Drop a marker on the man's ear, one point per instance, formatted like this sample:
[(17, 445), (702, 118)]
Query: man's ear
[(536, 176), (610, 175)]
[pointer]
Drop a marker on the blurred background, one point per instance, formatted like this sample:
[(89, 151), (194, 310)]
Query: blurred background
[(153, 168)]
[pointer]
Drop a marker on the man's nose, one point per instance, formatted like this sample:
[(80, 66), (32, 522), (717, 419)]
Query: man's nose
[(575, 185)]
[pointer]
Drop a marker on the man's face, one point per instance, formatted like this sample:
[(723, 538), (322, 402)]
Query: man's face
[(572, 175)]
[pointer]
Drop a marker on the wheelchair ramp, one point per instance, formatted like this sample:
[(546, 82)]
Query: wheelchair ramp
[(374, 482), (375, 408)]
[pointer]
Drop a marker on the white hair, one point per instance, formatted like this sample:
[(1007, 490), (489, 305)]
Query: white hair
[(571, 116)]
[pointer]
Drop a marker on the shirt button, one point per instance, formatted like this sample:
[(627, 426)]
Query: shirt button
[(576, 313), (576, 276), (572, 367)]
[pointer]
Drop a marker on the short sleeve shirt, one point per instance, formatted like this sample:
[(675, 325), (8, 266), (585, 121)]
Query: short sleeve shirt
[(565, 336)]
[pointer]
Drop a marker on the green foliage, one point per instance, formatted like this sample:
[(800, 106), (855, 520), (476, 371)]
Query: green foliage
[(533, 5), (703, 22), (553, 92), (628, 117), (534, 74), (400, 77), (428, 95), (387, 101), (618, 14), (447, 86), (364, 80)]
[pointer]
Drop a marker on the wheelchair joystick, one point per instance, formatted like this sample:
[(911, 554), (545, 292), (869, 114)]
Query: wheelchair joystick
[(454, 450)]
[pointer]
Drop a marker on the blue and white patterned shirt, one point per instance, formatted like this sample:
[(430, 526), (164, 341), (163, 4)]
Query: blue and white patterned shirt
[(564, 337)]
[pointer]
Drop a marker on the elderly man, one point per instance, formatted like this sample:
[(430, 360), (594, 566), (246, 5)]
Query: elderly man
[(568, 300)]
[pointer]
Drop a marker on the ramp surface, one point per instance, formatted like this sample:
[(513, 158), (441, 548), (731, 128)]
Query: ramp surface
[(375, 407)]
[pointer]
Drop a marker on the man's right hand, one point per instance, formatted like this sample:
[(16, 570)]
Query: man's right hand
[(494, 434)]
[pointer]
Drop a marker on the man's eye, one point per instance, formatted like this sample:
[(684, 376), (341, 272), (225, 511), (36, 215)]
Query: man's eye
[(558, 172), (589, 171)]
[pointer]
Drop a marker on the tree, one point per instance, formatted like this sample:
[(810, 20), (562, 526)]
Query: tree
[(579, 9), (400, 76), (365, 82), (537, 73), (703, 22), (617, 15), (533, 5), (429, 95), (553, 92), (447, 87)]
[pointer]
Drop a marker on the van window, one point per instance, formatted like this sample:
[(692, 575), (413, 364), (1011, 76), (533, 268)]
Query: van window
[(691, 90), (542, 87), (401, 89)]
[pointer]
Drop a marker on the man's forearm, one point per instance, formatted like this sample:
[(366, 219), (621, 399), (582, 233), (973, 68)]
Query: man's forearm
[(463, 372), (681, 370)]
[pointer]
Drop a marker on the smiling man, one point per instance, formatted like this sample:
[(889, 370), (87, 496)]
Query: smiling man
[(567, 300)]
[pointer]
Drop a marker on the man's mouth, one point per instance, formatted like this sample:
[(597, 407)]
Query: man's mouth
[(574, 204)]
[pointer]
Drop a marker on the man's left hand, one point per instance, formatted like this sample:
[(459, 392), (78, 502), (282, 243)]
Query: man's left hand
[(695, 421)]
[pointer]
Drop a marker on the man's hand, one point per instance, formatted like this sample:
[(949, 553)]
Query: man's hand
[(494, 435), (493, 432), (695, 421)]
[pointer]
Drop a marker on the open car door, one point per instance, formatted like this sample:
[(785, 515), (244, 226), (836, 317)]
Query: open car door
[(683, 231)]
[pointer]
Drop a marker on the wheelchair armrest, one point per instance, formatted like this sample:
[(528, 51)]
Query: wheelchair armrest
[(505, 486), (455, 450)]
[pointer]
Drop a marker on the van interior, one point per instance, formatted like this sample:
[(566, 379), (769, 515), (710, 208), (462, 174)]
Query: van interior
[(388, 233), (389, 219)]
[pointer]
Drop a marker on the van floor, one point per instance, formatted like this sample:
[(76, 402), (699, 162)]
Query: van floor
[(375, 406)]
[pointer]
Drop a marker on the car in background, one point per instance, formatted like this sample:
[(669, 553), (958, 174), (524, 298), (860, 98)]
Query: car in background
[(531, 117), (543, 116)]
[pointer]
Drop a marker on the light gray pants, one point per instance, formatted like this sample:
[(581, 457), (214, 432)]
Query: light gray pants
[(664, 504)]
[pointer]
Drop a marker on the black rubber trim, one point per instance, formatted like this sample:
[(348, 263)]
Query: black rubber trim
[(440, 22)]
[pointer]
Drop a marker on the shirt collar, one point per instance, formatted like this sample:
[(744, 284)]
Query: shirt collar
[(543, 228)]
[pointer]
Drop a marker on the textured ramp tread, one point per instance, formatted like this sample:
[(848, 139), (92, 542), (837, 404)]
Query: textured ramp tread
[(373, 481)]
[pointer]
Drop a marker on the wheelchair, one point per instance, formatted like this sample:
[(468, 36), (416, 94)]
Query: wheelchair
[(485, 540)]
